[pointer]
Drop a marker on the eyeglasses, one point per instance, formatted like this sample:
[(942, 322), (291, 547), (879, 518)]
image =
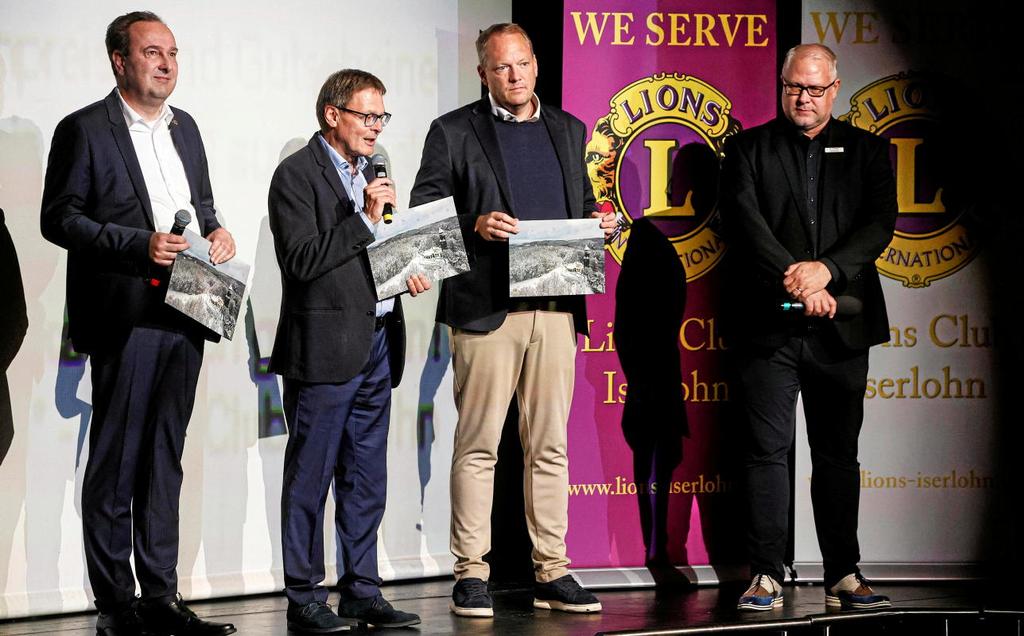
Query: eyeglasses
[(813, 91), (369, 119)]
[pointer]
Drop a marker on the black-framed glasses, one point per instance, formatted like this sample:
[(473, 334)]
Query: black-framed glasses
[(369, 119), (813, 91)]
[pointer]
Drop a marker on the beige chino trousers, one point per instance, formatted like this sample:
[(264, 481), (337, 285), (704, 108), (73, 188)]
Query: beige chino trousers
[(532, 355)]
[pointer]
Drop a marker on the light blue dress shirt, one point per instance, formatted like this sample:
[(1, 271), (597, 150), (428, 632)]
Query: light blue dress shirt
[(354, 185)]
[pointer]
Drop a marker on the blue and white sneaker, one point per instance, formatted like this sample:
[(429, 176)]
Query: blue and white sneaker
[(853, 592), (764, 594)]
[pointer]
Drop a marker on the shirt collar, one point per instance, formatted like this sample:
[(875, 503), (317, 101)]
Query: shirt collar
[(340, 163), (799, 135), (132, 118), (505, 115)]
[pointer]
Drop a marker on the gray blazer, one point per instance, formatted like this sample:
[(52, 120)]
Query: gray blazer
[(328, 297)]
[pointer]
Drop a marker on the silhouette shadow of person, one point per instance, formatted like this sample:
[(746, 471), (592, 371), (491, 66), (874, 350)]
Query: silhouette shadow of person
[(648, 315), (13, 326)]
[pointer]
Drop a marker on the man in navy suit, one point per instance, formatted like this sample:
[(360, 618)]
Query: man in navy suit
[(808, 203), (118, 171), (341, 351)]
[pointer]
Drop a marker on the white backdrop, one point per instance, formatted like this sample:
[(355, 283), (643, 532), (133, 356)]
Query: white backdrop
[(249, 74), (927, 455)]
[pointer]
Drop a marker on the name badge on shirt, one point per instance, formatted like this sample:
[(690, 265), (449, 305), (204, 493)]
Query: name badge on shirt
[(831, 149)]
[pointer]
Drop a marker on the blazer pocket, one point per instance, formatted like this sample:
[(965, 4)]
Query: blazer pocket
[(316, 334)]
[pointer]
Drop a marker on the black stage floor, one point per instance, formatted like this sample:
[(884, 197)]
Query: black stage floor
[(936, 608)]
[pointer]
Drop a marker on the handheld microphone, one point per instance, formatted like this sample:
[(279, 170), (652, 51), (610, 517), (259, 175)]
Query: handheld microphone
[(846, 306), (181, 220), (380, 170)]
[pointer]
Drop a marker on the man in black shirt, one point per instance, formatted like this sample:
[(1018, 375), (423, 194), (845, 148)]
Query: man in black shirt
[(808, 203)]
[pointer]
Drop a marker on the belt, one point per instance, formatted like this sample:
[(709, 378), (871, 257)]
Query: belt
[(533, 305)]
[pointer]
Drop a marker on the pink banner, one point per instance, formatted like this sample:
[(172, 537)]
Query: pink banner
[(659, 86)]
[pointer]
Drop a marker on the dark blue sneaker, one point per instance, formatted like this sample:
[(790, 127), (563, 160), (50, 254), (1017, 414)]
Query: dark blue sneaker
[(764, 594), (565, 595), (471, 598), (853, 592)]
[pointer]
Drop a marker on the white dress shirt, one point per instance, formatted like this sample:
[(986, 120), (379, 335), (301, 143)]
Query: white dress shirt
[(501, 113), (161, 165)]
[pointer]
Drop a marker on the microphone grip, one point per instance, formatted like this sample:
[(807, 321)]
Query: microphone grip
[(846, 306), (381, 172)]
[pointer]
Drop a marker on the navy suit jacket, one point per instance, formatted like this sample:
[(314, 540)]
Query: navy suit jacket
[(462, 159), (765, 220), (95, 205), (328, 297)]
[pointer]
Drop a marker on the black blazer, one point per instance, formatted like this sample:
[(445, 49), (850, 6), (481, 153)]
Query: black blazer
[(764, 216), (95, 205), (328, 297), (462, 159)]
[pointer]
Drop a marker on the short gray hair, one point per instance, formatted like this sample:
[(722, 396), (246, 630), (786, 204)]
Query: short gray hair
[(814, 51)]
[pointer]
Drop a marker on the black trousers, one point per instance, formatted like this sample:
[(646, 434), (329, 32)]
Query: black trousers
[(142, 400), (831, 380)]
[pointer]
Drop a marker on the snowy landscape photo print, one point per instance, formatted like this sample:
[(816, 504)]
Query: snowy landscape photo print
[(209, 294), (556, 258), (425, 240)]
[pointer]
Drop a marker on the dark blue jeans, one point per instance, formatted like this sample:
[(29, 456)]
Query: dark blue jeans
[(336, 433)]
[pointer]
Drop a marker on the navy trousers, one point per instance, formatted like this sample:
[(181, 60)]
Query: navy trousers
[(336, 433), (142, 400), (832, 380)]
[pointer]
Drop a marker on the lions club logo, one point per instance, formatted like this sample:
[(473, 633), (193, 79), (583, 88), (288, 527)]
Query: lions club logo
[(656, 154), (934, 237)]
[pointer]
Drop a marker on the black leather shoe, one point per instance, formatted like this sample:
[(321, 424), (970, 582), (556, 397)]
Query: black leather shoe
[(315, 618), (375, 611), (125, 622), (175, 618)]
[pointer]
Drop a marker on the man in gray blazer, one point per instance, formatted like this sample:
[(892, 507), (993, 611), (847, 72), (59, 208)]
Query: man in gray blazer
[(341, 351)]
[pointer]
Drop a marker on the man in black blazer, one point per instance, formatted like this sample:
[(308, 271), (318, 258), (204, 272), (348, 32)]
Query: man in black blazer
[(340, 351), (808, 203), (118, 171), (507, 158)]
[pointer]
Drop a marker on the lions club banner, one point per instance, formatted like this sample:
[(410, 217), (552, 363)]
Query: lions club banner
[(928, 445), (660, 85)]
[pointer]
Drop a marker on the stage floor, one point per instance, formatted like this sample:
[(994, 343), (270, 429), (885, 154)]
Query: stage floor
[(939, 608)]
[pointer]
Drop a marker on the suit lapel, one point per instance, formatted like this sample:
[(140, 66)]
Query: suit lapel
[(483, 125), (794, 175), (123, 139), (559, 133), (187, 161), (328, 170)]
